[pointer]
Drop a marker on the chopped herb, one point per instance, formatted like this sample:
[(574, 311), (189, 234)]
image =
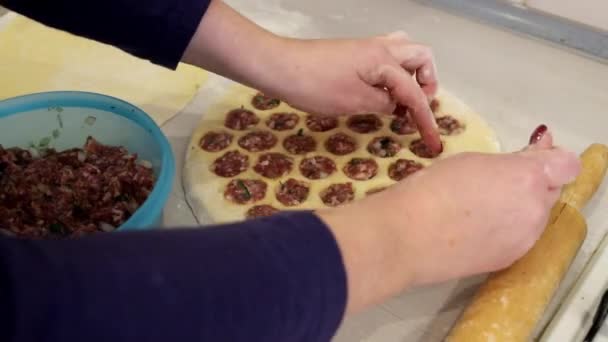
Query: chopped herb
[(90, 120), (122, 197), (244, 187), (56, 133), (356, 161), (301, 132), (44, 142), (60, 120), (56, 228), (274, 102)]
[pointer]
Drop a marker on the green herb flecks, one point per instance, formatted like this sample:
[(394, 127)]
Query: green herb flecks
[(55, 108), (56, 133), (301, 132), (56, 228), (44, 142), (274, 102), (122, 197), (242, 185)]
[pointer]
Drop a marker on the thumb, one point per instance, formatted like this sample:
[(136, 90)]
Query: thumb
[(541, 139), (559, 166)]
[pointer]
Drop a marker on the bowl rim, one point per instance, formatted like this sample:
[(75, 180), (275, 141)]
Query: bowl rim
[(157, 199)]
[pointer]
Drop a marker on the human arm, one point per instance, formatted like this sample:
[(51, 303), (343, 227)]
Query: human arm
[(276, 279), (329, 76), (333, 76), (288, 277)]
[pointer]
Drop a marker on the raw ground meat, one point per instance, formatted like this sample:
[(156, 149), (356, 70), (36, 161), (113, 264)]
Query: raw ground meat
[(300, 144), (258, 141), (321, 123), (292, 192), (262, 210), (317, 167), (338, 194), (263, 102), (215, 141), (384, 147), (419, 148), (364, 123), (403, 168), (230, 164), (403, 125), (273, 165), (283, 121), (49, 194), (240, 119), (242, 191), (449, 125), (361, 168), (341, 144)]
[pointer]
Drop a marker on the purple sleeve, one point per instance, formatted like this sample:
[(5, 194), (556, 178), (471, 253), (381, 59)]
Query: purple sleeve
[(275, 279), (157, 30)]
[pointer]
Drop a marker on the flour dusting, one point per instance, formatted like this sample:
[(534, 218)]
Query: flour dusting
[(271, 15)]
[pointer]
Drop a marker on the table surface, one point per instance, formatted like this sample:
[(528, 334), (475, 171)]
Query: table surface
[(515, 82)]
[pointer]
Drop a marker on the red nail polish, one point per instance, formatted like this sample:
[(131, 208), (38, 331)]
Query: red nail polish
[(538, 133)]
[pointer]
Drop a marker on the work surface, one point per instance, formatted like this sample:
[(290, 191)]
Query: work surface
[(516, 83)]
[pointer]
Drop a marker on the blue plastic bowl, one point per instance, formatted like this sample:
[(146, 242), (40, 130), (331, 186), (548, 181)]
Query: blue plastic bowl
[(65, 119)]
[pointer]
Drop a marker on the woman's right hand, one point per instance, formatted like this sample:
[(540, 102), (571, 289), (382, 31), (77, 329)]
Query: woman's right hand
[(468, 214)]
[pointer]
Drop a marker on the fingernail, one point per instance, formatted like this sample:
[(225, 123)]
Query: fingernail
[(538, 134)]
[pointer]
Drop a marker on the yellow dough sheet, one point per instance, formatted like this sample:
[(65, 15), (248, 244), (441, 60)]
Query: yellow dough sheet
[(36, 58)]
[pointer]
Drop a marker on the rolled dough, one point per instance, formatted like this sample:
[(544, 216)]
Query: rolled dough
[(204, 190), (36, 58)]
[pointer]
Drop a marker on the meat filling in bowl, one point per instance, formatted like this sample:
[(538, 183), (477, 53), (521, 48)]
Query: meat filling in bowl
[(49, 194)]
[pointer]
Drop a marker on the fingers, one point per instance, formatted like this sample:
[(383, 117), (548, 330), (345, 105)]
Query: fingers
[(538, 134), (414, 58), (378, 100), (541, 139), (559, 166), (405, 91)]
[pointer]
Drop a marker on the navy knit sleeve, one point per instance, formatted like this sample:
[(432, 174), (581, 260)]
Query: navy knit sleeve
[(275, 279), (157, 30)]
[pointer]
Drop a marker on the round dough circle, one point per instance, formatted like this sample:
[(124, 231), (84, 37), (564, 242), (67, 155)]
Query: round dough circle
[(204, 190)]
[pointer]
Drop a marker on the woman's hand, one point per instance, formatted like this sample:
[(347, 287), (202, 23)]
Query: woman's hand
[(469, 214), (359, 76), (320, 76)]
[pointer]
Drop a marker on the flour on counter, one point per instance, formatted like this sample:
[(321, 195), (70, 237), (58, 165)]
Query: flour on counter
[(272, 16)]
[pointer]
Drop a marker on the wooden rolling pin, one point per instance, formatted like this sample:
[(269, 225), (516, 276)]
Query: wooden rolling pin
[(509, 305)]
